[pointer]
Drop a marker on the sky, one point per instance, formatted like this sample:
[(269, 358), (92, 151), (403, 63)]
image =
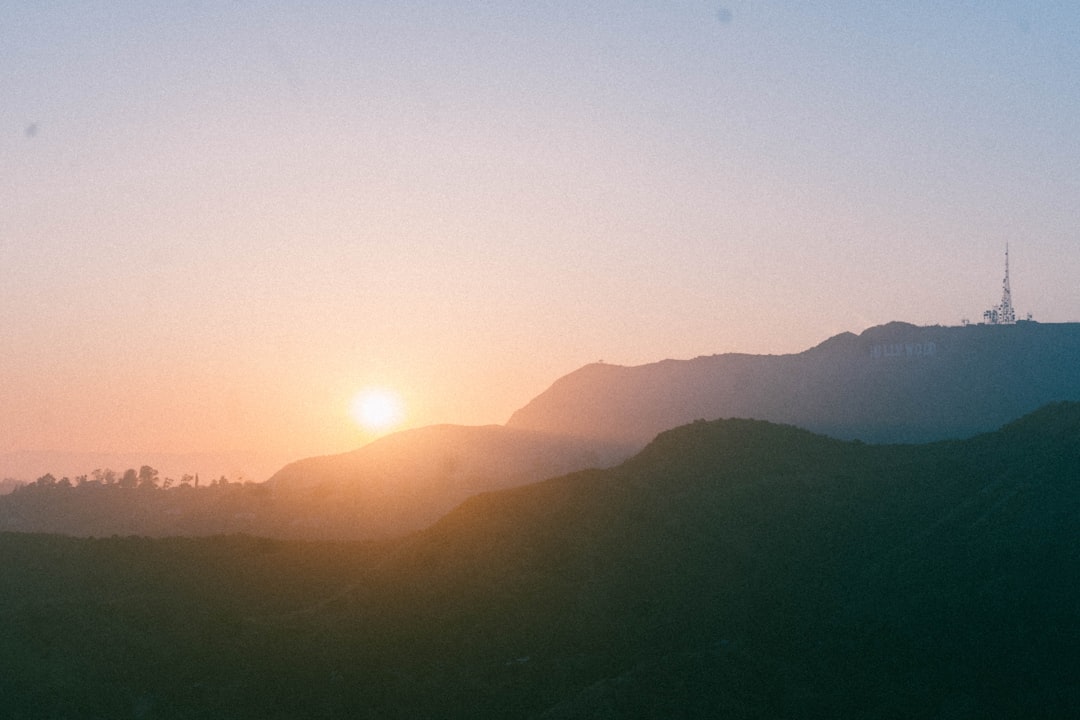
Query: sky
[(220, 221)]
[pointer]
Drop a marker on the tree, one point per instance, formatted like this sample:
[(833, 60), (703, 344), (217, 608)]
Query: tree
[(105, 477), (46, 480), (148, 477), (129, 479)]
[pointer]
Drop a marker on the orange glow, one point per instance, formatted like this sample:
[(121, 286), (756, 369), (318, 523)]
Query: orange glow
[(377, 409)]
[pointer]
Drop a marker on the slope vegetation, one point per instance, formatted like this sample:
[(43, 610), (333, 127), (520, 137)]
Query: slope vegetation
[(733, 568)]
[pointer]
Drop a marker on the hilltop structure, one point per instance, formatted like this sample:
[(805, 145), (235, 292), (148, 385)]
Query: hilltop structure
[(1003, 313)]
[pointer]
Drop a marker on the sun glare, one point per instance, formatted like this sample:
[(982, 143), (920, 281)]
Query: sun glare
[(377, 409)]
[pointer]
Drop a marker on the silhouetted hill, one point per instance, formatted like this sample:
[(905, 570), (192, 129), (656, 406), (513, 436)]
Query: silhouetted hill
[(893, 383), (94, 510), (407, 480), (734, 568), (395, 485)]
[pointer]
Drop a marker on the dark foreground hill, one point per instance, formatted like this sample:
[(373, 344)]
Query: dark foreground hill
[(892, 383), (733, 569)]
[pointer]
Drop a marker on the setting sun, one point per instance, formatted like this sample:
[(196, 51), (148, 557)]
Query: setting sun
[(377, 409)]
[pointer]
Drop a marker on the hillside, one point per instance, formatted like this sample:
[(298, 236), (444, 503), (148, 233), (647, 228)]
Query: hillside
[(395, 485), (892, 383), (733, 568), (407, 480)]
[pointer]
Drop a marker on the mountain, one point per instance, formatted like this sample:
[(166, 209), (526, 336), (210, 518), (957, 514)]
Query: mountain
[(407, 480), (392, 486), (733, 568), (892, 383)]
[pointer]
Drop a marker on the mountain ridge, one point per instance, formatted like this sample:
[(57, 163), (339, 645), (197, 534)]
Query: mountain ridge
[(407, 480), (891, 383), (733, 568), (896, 382)]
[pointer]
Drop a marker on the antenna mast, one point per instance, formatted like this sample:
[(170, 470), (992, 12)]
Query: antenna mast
[(1002, 314), (1005, 310)]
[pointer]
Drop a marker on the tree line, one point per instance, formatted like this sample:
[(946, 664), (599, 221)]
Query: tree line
[(145, 478)]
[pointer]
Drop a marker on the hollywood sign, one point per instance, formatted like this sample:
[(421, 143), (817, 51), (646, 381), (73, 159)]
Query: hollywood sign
[(888, 350)]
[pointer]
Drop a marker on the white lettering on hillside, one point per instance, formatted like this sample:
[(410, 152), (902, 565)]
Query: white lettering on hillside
[(891, 350)]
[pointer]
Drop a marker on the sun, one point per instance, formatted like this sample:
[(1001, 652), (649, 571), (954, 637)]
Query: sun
[(377, 409)]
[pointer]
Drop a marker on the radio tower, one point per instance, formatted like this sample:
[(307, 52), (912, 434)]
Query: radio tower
[(1002, 314)]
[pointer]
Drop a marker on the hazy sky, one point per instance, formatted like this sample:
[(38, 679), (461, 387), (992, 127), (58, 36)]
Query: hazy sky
[(221, 220)]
